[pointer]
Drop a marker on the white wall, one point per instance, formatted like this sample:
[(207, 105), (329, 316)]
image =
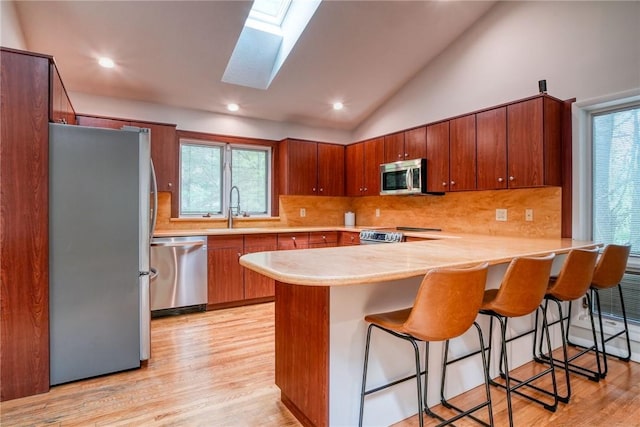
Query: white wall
[(202, 121), (582, 49), (10, 30)]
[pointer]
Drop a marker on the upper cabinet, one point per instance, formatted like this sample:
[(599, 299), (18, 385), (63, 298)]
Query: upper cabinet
[(491, 148), (164, 150), (534, 142), (363, 167), (60, 108), (438, 157), (310, 168), (410, 144), (462, 153)]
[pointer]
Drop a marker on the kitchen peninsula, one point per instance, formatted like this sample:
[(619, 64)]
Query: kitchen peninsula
[(322, 296)]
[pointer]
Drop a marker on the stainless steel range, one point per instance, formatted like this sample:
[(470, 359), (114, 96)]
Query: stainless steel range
[(368, 237)]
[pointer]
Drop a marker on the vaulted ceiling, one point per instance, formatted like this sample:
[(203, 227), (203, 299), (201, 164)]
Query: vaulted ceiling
[(175, 53)]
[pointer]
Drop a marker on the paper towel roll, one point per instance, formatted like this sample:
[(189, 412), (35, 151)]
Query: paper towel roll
[(349, 219)]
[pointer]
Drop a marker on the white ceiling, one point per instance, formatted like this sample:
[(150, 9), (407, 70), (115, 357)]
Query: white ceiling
[(175, 53)]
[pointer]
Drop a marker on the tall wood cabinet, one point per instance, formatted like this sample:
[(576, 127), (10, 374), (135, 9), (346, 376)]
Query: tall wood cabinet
[(438, 157), (406, 145), (462, 153), (31, 94), (311, 168), (363, 167), (491, 148)]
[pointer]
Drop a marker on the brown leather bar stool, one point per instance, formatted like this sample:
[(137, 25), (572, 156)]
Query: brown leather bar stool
[(445, 307), (572, 283), (520, 294), (608, 273)]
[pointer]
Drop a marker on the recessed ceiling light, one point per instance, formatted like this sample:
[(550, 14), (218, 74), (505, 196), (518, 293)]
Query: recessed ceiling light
[(106, 62), (233, 107), (338, 105)]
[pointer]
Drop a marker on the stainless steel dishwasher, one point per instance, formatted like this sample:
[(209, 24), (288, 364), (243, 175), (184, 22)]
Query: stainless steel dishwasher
[(180, 285)]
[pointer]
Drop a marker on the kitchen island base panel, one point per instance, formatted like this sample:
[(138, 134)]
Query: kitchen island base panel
[(320, 339)]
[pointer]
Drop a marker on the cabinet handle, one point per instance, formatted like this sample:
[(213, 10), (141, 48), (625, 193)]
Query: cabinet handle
[(511, 178), (170, 185), (406, 154), (360, 188), (365, 188), (399, 155), (453, 183), (444, 184), (314, 189), (293, 238), (239, 254), (500, 179), (324, 237), (321, 189)]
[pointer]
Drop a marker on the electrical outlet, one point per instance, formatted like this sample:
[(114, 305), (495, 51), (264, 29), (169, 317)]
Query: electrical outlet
[(377, 213), (528, 214), (501, 214), (303, 212)]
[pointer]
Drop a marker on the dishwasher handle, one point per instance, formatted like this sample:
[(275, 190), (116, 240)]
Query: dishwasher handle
[(179, 244)]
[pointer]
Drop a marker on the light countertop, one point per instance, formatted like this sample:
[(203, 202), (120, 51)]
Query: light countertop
[(364, 264), (256, 230)]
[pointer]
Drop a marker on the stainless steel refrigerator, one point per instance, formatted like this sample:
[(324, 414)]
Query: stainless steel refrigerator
[(100, 224)]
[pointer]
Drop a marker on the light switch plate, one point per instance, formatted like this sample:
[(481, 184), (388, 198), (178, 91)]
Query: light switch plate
[(528, 214), (501, 214), (303, 212)]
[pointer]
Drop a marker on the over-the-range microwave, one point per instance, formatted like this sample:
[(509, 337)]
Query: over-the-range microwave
[(404, 177)]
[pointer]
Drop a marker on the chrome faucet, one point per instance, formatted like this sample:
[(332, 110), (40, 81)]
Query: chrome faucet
[(231, 208)]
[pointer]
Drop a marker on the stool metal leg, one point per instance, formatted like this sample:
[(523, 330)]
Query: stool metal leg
[(364, 375)]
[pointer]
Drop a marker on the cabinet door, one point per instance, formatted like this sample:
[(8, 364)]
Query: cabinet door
[(102, 122), (525, 144), (60, 110), (330, 170), (415, 143), (293, 241), (257, 285), (438, 157), (354, 165), (323, 239), (164, 152), (462, 154), (491, 148), (394, 147), (299, 167), (347, 238), (373, 158), (225, 279)]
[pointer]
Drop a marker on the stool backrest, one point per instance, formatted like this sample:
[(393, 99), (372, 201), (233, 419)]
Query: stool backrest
[(575, 276), (611, 266), (447, 303), (523, 286)]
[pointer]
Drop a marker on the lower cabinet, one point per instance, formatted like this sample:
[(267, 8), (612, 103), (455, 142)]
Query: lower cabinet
[(347, 238), (323, 239), (293, 241), (257, 285), (225, 275)]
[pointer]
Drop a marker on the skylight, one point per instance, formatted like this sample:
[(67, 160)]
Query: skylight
[(268, 36)]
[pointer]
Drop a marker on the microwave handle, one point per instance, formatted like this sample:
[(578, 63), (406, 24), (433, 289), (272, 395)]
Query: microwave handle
[(409, 179)]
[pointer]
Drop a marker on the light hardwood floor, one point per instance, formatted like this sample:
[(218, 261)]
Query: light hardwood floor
[(217, 369)]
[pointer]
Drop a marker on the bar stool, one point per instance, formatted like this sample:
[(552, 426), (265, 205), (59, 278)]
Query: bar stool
[(445, 307), (608, 273), (520, 293), (572, 283)]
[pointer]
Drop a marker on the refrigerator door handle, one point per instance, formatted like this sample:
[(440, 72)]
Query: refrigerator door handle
[(154, 217)]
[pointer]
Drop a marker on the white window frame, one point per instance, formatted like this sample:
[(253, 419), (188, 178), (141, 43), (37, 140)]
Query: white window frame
[(582, 200), (226, 176)]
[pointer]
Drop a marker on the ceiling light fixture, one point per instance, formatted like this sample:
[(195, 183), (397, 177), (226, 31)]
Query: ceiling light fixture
[(106, 62), (233, 107), (338, 105)]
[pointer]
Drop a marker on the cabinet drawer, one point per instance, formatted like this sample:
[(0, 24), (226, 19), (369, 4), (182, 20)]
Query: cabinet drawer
[(216, 242), (261, 240), (347, 238), (293, 241), (323, 237)]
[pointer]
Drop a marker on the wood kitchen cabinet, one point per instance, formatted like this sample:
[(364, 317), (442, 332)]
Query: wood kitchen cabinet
[(323, 239), (407, 145), (164, 149), (24, 229), (311, 168), (60, 109), (438, 157), (534, 142), (225, 274), (257, 285), (491, 149), (363, 167), (348, 238), (462, 153), (293, 241)]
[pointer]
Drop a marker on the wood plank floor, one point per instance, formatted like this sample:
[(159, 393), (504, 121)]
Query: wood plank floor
[(217, 369)]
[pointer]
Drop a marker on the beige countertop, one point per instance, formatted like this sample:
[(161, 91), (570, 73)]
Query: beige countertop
[(364, 264), (256, 230)]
